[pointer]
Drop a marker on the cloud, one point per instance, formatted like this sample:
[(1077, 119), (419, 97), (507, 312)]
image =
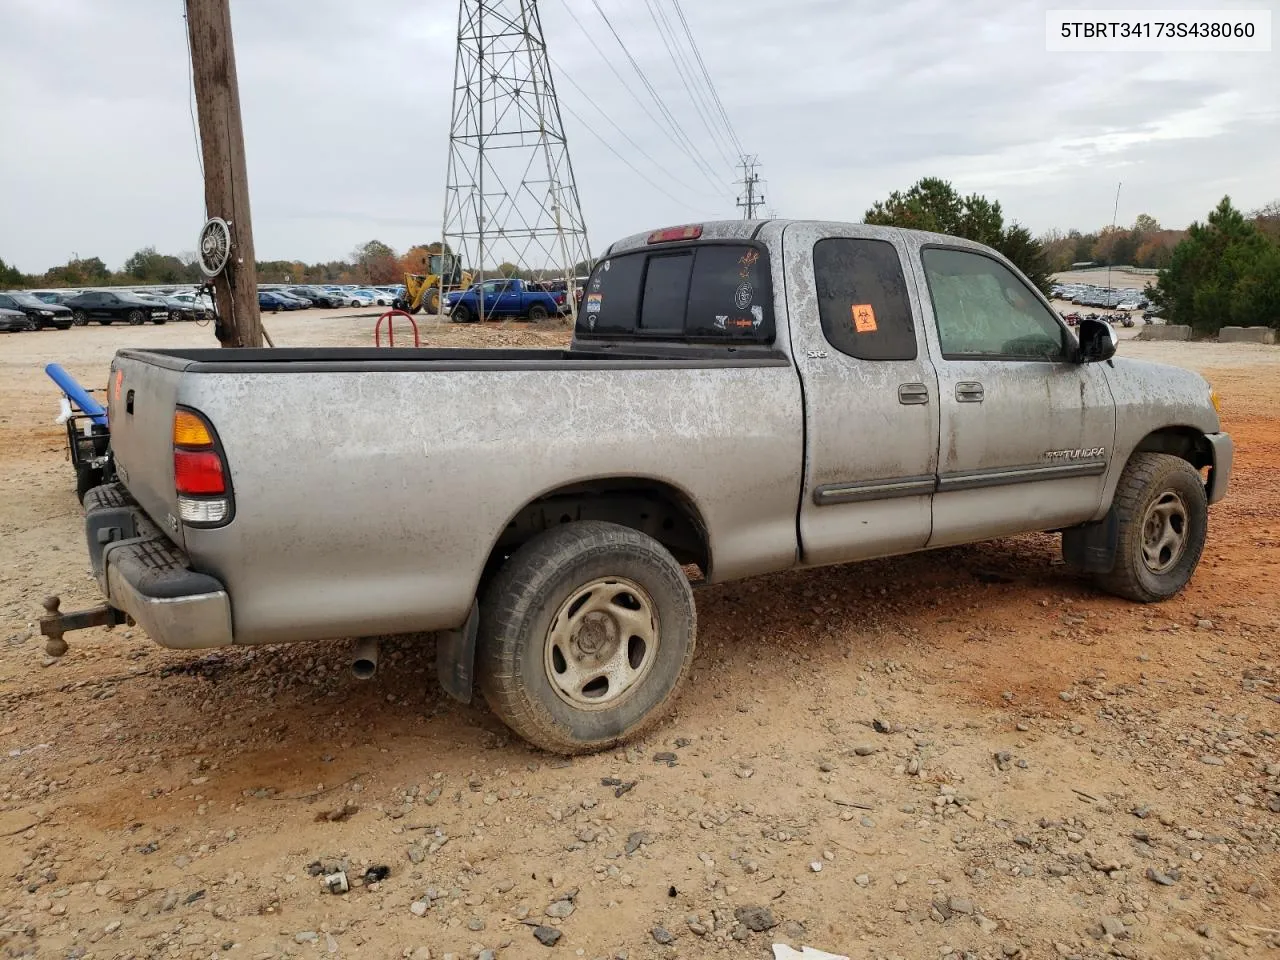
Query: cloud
[(346, 109)]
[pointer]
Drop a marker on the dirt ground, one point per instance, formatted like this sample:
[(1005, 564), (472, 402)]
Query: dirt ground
[(966, 752)]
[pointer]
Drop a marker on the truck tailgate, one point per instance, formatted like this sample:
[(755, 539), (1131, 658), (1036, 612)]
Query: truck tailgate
[(142, 400)]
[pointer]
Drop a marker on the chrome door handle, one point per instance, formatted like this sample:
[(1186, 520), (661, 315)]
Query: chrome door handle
[(913, 393), (969, 392)]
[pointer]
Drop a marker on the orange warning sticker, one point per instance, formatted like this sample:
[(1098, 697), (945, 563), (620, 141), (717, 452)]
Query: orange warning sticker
[(864, 318)]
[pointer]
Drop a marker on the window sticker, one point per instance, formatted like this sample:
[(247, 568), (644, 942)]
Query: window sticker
[(864, 318)]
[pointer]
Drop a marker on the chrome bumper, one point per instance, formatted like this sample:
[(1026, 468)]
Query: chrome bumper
[(1220, 472), (144, 575)]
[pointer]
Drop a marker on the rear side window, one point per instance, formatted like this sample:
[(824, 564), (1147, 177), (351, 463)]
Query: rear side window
[(862, 299), (706, 292)]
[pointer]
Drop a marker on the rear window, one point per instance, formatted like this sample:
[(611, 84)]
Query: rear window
[(715, 291)]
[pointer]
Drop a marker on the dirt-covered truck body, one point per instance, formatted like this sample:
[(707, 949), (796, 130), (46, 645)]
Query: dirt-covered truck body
[(746, 397)]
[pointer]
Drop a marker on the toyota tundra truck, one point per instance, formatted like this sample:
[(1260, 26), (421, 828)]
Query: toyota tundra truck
[(740, 397)]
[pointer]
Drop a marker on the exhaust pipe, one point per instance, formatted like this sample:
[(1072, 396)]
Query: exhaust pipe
[(364, 660)]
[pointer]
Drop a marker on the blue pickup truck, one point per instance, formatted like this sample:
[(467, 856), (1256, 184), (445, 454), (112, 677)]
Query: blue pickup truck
[(504, 299)]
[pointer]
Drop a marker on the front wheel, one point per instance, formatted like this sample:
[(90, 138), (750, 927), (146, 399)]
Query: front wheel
[(1163, 517), (586, 634), (432, 304), (461, 314), (135, 318)]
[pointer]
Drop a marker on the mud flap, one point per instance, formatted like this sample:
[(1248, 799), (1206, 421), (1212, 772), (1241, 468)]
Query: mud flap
[(1092, 548), (456, 657)]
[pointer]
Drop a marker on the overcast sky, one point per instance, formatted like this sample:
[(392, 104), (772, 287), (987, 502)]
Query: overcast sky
[(346, 110)]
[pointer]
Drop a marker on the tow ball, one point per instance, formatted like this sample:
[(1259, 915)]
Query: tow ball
[(54, 623)]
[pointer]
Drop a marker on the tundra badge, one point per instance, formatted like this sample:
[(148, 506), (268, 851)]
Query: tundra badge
[(1087, 453)]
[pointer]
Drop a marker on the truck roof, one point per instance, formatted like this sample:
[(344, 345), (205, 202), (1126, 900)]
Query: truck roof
[(748, 229)]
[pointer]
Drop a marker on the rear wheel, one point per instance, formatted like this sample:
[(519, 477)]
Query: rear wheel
[(537, 313), (136, 318), (586, 634), (79, 318), (1163, 519), (432, 304)]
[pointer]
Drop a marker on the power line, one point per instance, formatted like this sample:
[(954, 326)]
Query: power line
[(683, 70), (677, 130), (706, 74), (719, 187), (569, 110), (639, 149)]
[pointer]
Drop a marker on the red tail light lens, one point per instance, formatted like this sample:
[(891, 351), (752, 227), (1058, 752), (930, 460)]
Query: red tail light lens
[(692, 232), (198, 472)]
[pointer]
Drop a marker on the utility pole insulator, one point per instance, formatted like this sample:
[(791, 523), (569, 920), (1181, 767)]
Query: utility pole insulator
[(226, 182)]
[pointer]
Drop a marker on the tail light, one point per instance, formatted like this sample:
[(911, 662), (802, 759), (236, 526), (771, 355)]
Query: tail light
[(691, 232), (200, 473), (559, 298)]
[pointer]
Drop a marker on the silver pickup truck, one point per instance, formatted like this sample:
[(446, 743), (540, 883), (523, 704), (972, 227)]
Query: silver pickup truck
[(739, 397)]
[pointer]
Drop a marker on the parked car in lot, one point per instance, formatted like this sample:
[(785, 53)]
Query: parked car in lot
[(356, 298), (270, 300), (200, 303), (503, 299), (108, 306), (178, 309), (689, 421), (15, 321), (38, 312), (319, 297)]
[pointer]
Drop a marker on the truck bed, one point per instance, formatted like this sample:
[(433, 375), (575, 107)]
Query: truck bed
[(402, 467)]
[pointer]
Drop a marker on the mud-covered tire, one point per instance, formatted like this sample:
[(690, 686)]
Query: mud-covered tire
[(1154, 490), (431, 302), (527, 599)]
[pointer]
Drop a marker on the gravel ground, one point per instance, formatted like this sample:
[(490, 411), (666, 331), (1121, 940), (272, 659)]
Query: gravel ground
[(964, 753)]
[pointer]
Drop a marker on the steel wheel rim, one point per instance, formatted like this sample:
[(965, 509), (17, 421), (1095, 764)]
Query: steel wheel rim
[(1164, 532), (602, 643)]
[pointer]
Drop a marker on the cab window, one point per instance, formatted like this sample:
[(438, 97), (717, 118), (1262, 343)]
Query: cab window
[(982, 309)]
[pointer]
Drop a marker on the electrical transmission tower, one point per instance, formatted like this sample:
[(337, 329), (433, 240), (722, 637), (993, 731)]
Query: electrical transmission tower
[(510, 195), (751, 198)]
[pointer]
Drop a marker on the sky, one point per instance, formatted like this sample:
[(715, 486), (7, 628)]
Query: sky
[(346, 112)]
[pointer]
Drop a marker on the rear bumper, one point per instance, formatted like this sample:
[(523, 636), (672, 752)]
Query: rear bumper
[(144, 575), (1220, 472)]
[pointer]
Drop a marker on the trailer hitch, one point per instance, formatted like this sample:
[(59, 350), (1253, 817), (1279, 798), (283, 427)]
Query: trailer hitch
[(54, 623)]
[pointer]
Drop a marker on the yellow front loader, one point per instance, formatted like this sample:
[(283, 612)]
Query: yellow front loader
[(423, 292)]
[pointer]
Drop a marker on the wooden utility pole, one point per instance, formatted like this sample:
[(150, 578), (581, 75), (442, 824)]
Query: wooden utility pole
[(226, 183)]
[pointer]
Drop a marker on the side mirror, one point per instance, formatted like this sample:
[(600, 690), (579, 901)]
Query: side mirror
[(1098, 341)]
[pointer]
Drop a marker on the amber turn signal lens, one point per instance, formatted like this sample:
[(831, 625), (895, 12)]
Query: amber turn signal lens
[(190, 431)]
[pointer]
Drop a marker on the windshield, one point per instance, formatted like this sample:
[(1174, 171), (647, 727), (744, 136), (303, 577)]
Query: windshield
[(27, 300)]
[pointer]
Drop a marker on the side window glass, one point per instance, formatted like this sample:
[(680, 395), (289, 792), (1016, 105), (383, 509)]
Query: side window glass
[(666, 292), (862, 299), (983, 310)]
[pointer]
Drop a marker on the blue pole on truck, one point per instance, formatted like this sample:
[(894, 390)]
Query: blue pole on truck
[(76, 393)]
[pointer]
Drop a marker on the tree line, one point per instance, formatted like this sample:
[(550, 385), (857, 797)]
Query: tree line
[(373, 263)]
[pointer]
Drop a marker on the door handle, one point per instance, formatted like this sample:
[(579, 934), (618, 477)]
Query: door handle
[(969, 391), (913, 393)]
